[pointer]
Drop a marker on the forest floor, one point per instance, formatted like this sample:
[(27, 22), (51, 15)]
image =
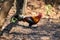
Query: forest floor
[(48, 29)]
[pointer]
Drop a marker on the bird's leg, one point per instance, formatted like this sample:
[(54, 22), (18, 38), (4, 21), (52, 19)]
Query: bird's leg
[(29, 26)]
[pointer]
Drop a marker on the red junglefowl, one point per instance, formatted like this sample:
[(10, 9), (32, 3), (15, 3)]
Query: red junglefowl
[(31, 19)]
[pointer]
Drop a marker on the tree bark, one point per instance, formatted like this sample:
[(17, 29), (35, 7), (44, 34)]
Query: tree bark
[(5, 7)]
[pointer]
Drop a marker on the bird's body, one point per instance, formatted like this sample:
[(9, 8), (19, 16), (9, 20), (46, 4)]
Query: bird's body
[(33, 19)]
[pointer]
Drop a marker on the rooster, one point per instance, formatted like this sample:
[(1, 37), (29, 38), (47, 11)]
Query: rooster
[(30, 19)]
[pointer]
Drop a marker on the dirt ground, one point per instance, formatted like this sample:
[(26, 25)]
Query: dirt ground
[(48, 27)]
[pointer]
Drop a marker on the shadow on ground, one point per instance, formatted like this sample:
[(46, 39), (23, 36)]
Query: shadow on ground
[(49, 29)]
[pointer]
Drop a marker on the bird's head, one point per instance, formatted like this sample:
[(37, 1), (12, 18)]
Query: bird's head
[(39, 15)]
